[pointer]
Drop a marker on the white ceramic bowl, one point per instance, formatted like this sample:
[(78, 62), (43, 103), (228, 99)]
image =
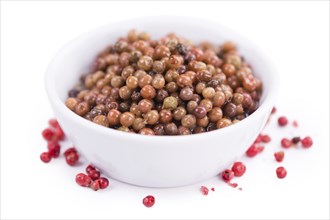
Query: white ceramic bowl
[(156, 161)]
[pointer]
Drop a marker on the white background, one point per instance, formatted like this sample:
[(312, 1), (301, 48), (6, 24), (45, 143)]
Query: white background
[(294, 34)]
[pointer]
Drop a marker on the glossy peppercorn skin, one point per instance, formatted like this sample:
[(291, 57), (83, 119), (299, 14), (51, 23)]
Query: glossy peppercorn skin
[(166, 86)]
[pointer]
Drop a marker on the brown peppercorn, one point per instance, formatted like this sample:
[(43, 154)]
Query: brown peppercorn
[(171, 75), (134, 109), (158, 66), (117, 82), (82, 108), (171, 87), (170, 103), (138, 124), (158, 82), (198, 130), (113, 117), (126, 119), (151, 117), (224, 122), (208, 93), (191, 105), (165, 116), (200, 87), (219, 99), (179, 112), (171, 129), (174, 61), (207, 104), (184, 80), (188, 121), (132, 82), (159, 129), (147, 131), (249, 83), (238, 98), (186, 94), (203, 76), (199, 112), (234, 59), (127, 71), (202, 122), (228, 69), (140, 45), (148, 92), (215, 114), (123, 128), (145, 105), (162, 51), (196, 66), (230, 110), (120, 46), (145, 63), (161, 95), (71, 103), (183, 130), (139, 74), (124, 59), (228, 46), (125, 92), (145, 80), (101, 120)]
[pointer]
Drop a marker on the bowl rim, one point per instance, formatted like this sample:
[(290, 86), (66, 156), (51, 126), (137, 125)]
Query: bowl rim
[(266, 105)]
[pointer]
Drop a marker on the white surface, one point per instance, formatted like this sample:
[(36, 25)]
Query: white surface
[(294, 34), (149, 160)]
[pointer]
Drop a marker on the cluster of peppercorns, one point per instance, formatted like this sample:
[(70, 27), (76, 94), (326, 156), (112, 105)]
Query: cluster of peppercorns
[(53, 135), (286, 143), (166, 87), (93, 179)]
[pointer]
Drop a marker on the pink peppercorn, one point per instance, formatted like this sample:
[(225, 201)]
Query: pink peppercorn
[(72, 158), (204, 190), (227, 175), (54, 149), (286, 143), (307, 142), (94, 174), (238, 168), (273, 110), (48, 134), (281, 172), (83, 180), (282, 121), (252, 151), (279, 156), (104, 182), (45, 157), (265, 138), (95, 185), (148, 201)]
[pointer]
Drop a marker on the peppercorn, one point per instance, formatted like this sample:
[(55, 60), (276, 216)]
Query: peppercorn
[(170, 103), (171, 129), (167, 87)]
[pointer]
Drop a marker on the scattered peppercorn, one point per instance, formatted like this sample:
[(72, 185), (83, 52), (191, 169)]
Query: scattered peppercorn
[(282, 121), (148, 201), (307, 142), (204, 190), (286, 143), (281, 172), (279, 156), (238, 168), (227, 175)]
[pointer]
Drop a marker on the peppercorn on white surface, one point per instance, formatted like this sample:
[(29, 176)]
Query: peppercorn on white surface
[(294, 34)]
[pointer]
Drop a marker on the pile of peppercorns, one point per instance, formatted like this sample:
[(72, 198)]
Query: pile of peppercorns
[(166, 87)]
